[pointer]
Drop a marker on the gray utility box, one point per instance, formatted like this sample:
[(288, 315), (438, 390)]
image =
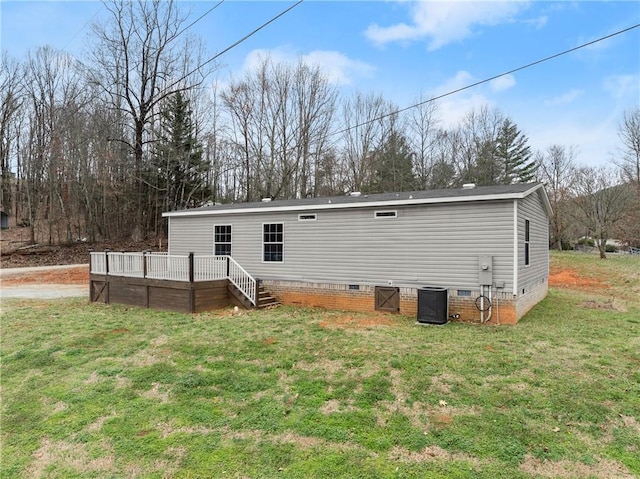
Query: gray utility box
[(485, 270), (433, 305)]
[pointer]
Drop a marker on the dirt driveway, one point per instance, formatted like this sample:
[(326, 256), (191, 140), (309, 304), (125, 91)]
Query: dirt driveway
[(45, 282)]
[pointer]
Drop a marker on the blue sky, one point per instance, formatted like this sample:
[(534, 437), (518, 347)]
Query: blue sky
[(402, 49)]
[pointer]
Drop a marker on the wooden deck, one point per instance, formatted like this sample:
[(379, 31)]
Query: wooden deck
[(187, 284), (161, 294)]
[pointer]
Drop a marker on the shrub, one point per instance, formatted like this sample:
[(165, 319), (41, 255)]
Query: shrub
[(566, 245), (586, 241)]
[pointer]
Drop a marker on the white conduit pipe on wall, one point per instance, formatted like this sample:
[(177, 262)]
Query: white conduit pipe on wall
[(482, 308)]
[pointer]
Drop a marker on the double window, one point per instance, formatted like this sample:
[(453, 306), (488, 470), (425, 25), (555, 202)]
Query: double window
[(222, 240), (273, 242)]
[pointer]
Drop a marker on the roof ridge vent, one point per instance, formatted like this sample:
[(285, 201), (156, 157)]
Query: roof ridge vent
[(468, 186)]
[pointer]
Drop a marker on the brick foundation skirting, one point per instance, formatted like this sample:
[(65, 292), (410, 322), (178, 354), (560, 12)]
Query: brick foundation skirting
[(505, 309)]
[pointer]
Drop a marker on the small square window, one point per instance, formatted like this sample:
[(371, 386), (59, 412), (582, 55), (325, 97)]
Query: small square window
[(386, 214)]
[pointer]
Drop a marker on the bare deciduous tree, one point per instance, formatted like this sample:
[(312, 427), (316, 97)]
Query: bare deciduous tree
[(423, 135), (556, 169), (628, 157), (364, 130), (601, 200), (11, 101), (477, 136), (54, 88), (282, 115), (139, 60)]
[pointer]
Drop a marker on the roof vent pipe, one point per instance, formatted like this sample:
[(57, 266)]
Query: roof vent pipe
[(468, 186), (266, 200)]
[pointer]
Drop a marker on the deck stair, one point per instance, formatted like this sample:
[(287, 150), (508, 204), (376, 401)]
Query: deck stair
[(265, 299)]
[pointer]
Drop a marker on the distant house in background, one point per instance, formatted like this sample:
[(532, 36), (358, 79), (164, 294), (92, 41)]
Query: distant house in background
[(4, 220), (485, 247)]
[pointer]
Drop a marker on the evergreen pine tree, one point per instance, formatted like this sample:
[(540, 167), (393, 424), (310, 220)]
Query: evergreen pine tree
[(178, 162), (394, 166), (514, 155)]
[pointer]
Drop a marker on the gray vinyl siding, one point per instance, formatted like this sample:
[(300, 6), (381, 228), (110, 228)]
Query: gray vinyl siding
[(531, 208), (435, 245)]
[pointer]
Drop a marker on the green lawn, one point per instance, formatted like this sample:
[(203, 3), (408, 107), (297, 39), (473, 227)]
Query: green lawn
[(116, 392)]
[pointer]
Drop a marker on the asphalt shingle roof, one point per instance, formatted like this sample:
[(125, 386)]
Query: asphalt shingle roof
[(431, 196)]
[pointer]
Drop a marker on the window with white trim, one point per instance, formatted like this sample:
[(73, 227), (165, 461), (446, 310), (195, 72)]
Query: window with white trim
[(222, 240), (273, 242), (527, 252)]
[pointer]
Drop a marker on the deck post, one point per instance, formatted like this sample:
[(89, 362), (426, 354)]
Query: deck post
[(257, 293), (144, 264), (191, 275), (90, 282), (191, 291), (106, 261)]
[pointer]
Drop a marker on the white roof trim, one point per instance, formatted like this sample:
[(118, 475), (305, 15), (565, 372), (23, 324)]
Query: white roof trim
[(369, 204)]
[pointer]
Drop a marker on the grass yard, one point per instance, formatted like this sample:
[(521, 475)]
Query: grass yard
[(90, 390)]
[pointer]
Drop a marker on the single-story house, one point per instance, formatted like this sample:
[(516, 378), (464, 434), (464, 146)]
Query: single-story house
[(486, 248)]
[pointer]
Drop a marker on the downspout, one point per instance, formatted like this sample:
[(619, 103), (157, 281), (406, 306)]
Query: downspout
[(515, 247), (169, 236)]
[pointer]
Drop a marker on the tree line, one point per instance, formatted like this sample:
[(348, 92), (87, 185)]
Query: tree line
[(99, 147)]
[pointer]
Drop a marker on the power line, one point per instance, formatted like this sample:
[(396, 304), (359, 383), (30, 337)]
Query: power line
[(177, 34), (486, 80), (81, 28), (235, 44), (200, 17)]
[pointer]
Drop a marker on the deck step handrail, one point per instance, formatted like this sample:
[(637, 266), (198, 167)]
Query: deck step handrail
[(175, 268), (242, 280)]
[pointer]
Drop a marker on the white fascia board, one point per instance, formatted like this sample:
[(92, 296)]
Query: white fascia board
[(334, 206), (545, 198)]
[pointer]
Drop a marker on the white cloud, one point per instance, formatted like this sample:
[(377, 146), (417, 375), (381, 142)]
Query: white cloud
[(339, 69), (595, 139), (565, 98), (619, 86), (445, 22), (502, 83), (461, 79), (452, 109), (537, 22)]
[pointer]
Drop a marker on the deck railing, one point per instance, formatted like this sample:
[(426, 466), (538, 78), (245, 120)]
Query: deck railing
[(171, 267), (126, 264), (163, 266), (242, 280)]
